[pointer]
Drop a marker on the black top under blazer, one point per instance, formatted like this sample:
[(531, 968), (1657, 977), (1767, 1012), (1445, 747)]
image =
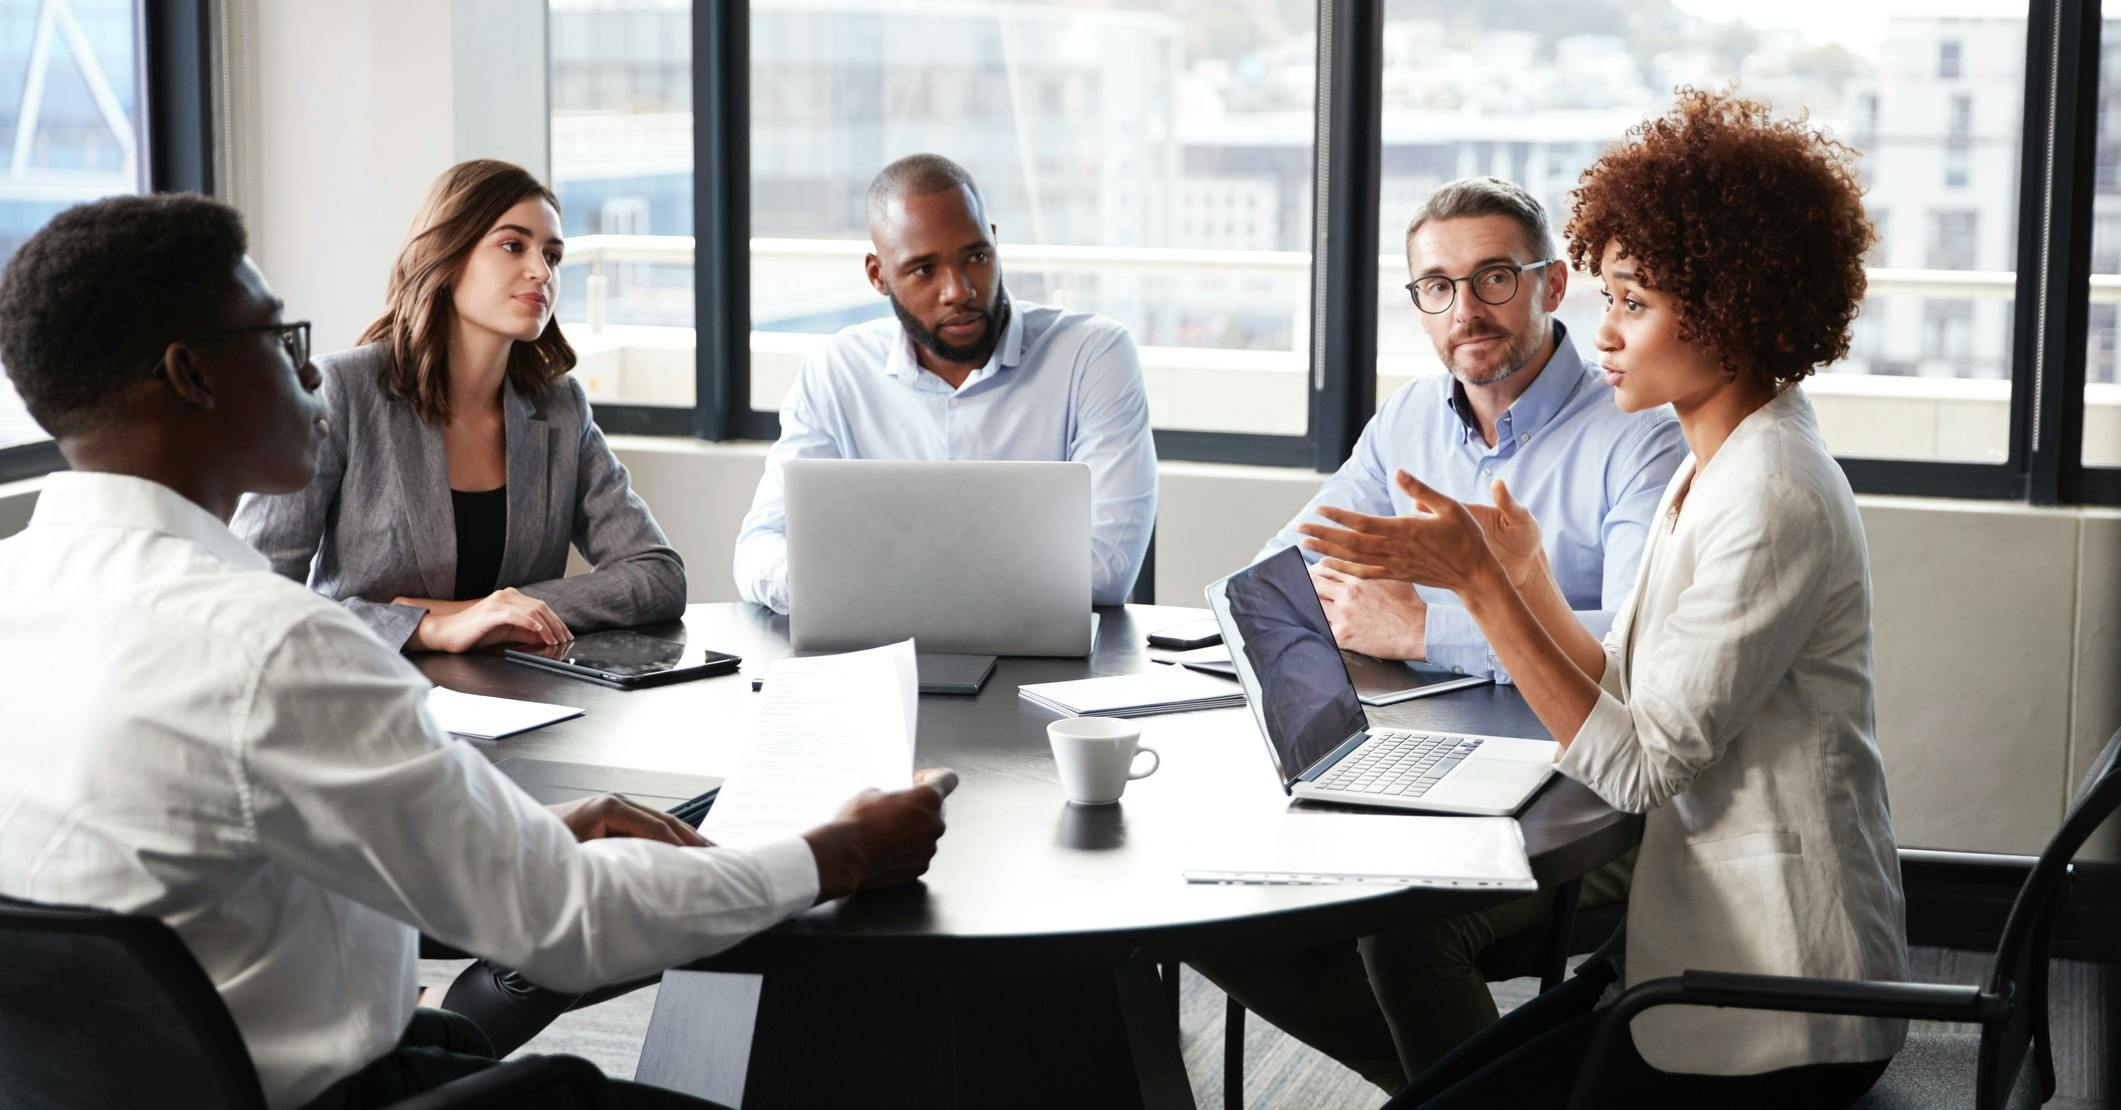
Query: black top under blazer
[(377, 521)]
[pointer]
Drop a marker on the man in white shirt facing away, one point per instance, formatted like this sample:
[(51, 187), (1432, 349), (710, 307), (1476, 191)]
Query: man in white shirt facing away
[(235, 755), (960, 371)]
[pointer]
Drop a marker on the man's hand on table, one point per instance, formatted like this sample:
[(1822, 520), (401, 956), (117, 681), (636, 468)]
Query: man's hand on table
[(881, 839), (1375, 616), (615, 815)]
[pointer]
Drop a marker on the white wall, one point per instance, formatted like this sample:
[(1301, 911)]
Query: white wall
[(338, 116)]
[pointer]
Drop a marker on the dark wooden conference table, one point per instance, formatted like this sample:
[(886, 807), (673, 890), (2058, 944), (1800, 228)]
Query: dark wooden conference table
[(1022, 969)]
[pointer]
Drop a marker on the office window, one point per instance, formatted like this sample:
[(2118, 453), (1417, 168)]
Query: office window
[(1148, 160), (621, 95), (69, 128), (1534, 94), (1955, 240), (2101, 445)]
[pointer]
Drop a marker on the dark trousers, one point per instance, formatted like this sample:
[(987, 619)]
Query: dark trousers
[(439, 1047), (1390, 1005), (511, 1009), (1530, 1058)]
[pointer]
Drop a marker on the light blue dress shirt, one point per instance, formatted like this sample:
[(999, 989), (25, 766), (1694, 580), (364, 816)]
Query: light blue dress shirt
[(1589, 472), (1061, 386)]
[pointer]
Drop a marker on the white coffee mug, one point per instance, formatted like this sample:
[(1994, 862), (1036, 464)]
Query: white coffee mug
[(1096, 757)]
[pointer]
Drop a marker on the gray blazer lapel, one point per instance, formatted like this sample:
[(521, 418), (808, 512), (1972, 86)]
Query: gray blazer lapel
[(529, 479), (423, 486)]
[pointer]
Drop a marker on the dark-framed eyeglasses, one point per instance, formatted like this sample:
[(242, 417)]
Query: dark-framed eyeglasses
[(293, 337), (1494, 284)]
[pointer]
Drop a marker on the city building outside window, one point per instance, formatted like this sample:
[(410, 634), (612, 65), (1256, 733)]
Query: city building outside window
[(1933, 103), (69, 128)]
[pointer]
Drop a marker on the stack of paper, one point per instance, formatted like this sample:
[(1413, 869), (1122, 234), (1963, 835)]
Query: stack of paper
[(1158, 690), (1334, 848), (478, 717), (831, 727)]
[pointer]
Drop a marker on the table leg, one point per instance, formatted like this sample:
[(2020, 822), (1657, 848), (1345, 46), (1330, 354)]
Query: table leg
[(1088, 1038)]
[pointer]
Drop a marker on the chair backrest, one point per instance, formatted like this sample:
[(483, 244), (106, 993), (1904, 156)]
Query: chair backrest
[(109, 1009), (2021, 958)]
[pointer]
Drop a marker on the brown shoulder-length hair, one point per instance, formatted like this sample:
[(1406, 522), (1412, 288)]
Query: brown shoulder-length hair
[(461, 207)]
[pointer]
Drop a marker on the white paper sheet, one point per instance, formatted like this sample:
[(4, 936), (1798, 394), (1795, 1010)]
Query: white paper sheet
[(1156, 690), (831, 726), (1388, 848), (479, 717)]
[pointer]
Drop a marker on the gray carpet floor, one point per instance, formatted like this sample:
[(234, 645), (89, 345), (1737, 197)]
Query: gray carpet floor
[(1281, 1073)]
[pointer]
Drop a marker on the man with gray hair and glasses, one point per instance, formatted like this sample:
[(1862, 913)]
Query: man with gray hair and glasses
[(1520, 414)]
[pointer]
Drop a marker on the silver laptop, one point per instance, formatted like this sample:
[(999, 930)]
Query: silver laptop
[(975, 558), (1322, 743)]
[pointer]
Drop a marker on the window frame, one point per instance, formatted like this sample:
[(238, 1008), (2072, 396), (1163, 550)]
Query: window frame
[(2057, 172), (175, 46)]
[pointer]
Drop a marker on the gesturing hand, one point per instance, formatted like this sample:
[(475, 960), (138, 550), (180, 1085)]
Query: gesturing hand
[(1512, 533), (1441, 545)]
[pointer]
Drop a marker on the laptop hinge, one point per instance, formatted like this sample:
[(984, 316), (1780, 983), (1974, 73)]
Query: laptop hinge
[(1329, 759)]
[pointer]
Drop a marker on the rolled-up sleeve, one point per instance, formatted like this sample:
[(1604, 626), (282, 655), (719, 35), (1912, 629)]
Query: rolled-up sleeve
[(349, 781), (1699, 676), (1111, 433), (635, 576)]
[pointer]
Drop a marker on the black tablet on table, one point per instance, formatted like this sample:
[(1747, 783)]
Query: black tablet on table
[(626, 659)]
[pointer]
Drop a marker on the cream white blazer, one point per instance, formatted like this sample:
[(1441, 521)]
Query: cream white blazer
[(1737, 711)]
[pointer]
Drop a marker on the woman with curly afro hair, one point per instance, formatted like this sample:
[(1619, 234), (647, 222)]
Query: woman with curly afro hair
[(1732, 701)]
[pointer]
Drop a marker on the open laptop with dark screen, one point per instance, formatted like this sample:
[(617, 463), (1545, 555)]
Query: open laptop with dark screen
[(1322, 743)]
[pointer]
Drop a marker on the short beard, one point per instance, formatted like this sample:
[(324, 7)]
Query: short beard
[(974, 353), (1515, 357)]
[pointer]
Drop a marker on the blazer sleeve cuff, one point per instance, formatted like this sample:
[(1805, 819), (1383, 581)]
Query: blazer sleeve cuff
[(393, 624), (1599, 756)]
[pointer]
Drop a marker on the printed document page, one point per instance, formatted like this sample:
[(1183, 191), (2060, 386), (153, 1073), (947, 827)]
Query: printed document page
[(831, 727), (479, 717)]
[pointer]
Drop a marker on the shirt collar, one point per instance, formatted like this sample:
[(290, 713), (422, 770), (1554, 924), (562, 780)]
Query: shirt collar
[(1009, 352), (1557, 382), (73, 498)]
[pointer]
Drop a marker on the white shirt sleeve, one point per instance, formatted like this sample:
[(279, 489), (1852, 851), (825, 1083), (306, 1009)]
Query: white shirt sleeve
[(1111, 433), (761, 562), (348, 781)]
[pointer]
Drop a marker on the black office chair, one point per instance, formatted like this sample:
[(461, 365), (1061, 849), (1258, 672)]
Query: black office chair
[(109, 1009), (1542, 952), (1145, 582), (2011, 1009)]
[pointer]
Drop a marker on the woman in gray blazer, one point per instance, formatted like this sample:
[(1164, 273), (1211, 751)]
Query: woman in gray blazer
[(462, 461), (460, 465), (1732, 701)]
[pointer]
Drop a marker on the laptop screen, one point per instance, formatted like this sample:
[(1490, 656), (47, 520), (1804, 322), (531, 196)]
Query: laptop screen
[(1286, 658)]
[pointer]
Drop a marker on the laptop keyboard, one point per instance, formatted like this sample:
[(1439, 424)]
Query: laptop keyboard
[(1405, 764)]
